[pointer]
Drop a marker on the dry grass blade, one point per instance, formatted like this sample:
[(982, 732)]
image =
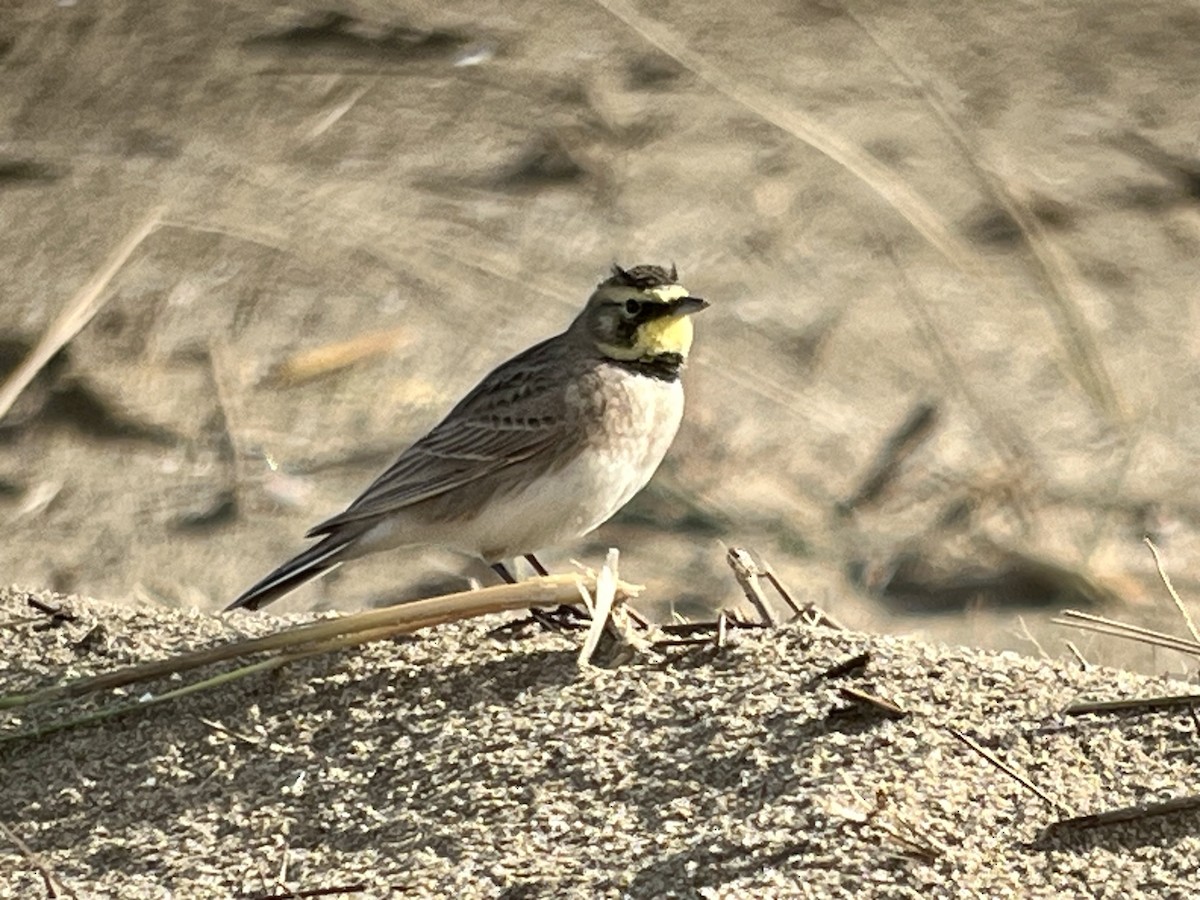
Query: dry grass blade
[(797, 611), (1079, 657), (912, 433), (1175, 598), (322, 636), (37, 500), (334, 115), (1126, 814), (1001, 432), (1143, 704), (1113, 628), (78, 312), (1029, 636), (260, 236), (56, 613), (874, 701), (221, 679), (747, 573), (146, 701), (54, 885), (285, 893), (1066, 309), (1008, 770), (914, 840), (919, 214), (855, 664), (1058, 270), (601, 609), (317, 362)]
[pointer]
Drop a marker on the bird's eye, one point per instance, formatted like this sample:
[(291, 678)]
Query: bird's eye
[(632, 307)]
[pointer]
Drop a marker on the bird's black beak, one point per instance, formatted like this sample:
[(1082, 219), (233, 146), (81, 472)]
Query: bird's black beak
[(686, 306)]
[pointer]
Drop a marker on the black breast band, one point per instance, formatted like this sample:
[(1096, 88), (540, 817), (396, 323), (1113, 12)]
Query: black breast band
[(663, 367)]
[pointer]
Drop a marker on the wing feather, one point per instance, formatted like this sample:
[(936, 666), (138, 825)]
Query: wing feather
[(518, 413)]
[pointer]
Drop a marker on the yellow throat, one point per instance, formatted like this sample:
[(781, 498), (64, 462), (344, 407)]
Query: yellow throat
[(669, 334)]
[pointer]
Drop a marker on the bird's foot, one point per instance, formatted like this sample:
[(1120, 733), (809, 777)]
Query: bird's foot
[(564, 618)]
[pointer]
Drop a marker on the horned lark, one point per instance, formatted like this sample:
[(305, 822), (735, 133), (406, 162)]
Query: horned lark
[(546, 448)]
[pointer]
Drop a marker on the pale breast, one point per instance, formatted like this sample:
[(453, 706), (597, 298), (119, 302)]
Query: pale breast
[(629, 421), (633, 420)]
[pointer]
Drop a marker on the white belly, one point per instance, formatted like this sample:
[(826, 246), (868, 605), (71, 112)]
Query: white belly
[(571, 501), (562, 504), (574, 500)]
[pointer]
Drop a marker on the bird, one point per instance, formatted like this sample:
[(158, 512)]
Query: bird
[(545, 449)]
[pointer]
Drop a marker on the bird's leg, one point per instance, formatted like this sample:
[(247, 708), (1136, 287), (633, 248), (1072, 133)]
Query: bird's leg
[(564, 617), (536, 565), (543, 618), (567, 616), (502, 570)]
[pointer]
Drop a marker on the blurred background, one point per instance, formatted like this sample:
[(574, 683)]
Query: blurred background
[(945, 386)]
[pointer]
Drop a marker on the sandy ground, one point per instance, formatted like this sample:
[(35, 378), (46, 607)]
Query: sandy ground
[(954, 251), (454, 763), (444, 183)]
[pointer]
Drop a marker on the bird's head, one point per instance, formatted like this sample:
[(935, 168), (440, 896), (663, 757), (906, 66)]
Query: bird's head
[(642, 314)]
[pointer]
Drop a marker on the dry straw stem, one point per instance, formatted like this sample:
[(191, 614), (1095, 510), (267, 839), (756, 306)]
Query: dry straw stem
[(1079, 657), (334, 115), (1058, 270), (146, 701), (258, 236), (1126, 814), (883, 182), (1028, 635), (745, 570), (317, 362), (342, 642), (286, 893), (1144, 704), (915, 840), (1001, 432), (1166, 580), (748, 571), (879, 704), (855, 663), (1065, 306), (332, 634), (601, 609), (78, 312), (54, 885), (1103, 625), (1010, 771)]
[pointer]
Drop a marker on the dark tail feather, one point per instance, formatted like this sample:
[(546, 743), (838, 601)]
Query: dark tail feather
[(316, 560)]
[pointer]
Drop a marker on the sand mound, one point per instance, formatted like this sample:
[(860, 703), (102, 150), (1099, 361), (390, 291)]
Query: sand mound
[(457, 763)]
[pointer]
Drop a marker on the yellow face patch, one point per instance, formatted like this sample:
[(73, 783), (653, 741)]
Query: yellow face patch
[(642, 332), (670, 334)]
